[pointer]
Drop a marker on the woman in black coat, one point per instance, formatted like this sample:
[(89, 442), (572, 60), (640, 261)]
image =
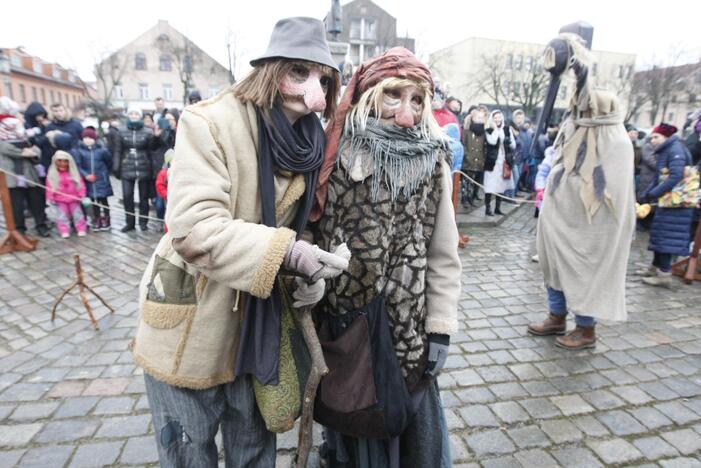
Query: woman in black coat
[(134, 166)]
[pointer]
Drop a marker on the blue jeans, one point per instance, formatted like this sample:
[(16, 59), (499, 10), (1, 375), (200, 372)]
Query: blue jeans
[(558, 306), (160, 207)]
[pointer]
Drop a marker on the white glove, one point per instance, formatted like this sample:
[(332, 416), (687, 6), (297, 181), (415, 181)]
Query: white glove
[(308, 294), (334, 263)]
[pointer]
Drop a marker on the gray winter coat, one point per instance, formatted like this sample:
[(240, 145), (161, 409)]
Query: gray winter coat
[(648, 170), (11, 159)]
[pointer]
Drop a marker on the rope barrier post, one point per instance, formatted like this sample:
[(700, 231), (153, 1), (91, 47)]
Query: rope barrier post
[(83, 297), (12, 240), (688, 268), (462, 239)]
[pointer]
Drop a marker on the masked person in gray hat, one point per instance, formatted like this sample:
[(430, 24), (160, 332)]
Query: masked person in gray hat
[(240, 191)]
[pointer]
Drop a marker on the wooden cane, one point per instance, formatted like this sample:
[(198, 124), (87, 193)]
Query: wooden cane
[(12, 240), (318, 370)]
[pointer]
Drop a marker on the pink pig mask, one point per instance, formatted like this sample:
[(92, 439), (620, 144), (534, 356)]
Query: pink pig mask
[(304, 90)]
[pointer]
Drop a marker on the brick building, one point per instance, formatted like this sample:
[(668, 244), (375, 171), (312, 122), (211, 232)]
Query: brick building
[(26, 78)]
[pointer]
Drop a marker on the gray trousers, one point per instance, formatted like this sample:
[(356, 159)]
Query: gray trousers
[(187, 420)]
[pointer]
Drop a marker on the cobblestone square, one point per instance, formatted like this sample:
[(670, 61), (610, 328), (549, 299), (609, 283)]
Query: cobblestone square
[(72, 396)]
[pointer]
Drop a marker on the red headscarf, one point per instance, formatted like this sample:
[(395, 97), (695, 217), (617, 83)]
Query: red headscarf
[(397, 62)]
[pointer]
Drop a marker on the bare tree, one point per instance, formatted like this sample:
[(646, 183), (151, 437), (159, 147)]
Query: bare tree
[(490, 79), (658, 83), (532, 92), (110, 68), (186, 56), (636, 99)]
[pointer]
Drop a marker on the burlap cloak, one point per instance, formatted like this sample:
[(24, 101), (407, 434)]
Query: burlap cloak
[(587, 220)]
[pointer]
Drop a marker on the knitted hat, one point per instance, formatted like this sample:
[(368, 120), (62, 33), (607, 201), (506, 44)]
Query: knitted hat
[(298, 38), (168, 156), (665, 129), (135, 110), (89, 132)]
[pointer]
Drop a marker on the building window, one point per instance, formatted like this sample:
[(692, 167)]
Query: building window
[(519, 62), (370, 29), (355, 29), (355, 53), (187, 64), (167, 92), (56, 72), (118, 91), (509, 61), (670, 117), (594, 69), (51, 94), (164, 64), (8, 88), (35, 95), (692, 98), (630, 72), (22, 93), (507, 88), (140, 61), (36, 65), (619, 71), (15, 60), (43, 96), (143, 91), (529, 63), (674, 98)]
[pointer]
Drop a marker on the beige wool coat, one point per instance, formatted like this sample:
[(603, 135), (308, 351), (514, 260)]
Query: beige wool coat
[(193, 291)]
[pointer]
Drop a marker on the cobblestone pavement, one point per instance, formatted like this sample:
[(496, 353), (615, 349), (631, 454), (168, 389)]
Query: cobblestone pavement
[(70, 396)]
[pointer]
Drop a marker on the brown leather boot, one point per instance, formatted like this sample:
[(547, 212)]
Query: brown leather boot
[(553, 325), (579, 338)]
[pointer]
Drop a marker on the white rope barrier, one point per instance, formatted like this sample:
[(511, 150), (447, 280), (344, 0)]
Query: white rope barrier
[(504, 197), (100, 205)]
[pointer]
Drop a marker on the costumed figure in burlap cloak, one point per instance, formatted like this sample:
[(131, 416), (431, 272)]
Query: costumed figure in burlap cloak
[(587, 219), (385, 324), (211, 329)]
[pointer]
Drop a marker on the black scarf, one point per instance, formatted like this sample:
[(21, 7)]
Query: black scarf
[(477, 128), (297, 148)]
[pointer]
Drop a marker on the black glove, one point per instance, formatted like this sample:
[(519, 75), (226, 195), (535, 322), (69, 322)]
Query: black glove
[(437, 353)]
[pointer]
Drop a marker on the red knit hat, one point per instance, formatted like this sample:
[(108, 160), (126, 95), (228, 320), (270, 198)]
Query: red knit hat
[(396, 62), (90, 133), (665, 129)]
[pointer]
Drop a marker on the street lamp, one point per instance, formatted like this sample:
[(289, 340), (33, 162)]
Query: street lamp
[(335, 25)]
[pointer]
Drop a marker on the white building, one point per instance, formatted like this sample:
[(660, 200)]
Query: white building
[(509, 74), (162, 62)]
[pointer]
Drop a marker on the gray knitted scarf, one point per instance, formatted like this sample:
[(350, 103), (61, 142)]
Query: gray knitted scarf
[(401, 157)]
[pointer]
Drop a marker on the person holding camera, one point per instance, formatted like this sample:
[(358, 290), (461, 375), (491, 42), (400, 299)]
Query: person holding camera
[(164, 132)]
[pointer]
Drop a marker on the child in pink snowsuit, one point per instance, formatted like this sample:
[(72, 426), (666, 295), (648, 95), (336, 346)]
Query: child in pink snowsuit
[(64, 191)]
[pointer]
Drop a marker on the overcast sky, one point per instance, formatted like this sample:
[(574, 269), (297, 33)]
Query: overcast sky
[(72, 33)]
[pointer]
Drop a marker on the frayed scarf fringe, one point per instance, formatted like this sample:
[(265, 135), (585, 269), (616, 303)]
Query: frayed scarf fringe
[(400, 160)]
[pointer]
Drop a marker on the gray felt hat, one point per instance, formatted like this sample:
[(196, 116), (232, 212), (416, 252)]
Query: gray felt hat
[(298, 38)]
